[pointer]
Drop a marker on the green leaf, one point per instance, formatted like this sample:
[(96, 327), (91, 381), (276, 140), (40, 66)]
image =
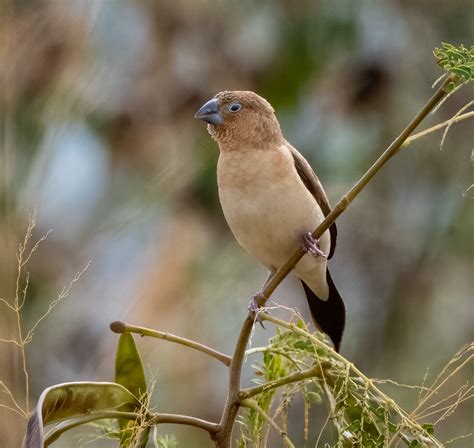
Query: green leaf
[(128, 366), (457, 61), (130, 374), (167, 441), (429, 428), (73, 400), (315, 397)]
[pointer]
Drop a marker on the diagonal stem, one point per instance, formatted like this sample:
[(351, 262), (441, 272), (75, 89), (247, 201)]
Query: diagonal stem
[(122, 327), (293, 378), (151, 420), (437, 127), (252, 404)]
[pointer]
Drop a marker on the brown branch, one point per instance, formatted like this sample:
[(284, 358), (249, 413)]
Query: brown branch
[(151, 420), (437, 127), (122, 327), (54, 434), (223, 437), (178, 419), (293, 378)]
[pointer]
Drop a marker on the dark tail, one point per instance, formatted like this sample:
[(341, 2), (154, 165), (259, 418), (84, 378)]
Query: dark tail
[(330, 315)]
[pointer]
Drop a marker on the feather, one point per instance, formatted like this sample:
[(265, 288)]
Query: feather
[(314, 186), (330, 315)]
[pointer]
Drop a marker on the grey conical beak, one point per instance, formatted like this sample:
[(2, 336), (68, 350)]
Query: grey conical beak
[(209, 113)]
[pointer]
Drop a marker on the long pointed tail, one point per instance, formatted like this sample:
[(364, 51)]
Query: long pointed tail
[(330, 315)]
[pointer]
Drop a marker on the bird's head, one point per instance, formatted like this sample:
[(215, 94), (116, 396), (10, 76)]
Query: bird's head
[(238, 119)]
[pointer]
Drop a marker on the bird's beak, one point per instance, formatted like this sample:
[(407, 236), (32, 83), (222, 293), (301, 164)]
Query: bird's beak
[(209, 113)]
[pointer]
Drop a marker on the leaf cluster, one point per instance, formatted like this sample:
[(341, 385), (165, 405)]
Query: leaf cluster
[(456, 61), (360, 413)]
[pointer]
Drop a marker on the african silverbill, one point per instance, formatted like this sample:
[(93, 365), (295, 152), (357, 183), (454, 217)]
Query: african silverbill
[(273, 200)]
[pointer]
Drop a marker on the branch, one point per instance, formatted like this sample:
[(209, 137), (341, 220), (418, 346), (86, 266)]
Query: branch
[(252, 404), (437, 127), (122, 327), (178, 419), (92, 417), (293, 378), (223, 437), (153, 419)]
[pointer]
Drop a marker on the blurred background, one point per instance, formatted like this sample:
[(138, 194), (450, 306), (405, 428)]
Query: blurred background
[(97, 134)]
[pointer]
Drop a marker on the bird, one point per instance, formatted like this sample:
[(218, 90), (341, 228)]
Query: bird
[(272, 200)]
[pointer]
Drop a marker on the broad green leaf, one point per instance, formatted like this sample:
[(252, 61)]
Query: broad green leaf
[(128, 366), (73, 400), (130, 374)]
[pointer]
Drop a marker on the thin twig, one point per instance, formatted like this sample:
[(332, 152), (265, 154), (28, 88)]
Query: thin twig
[(153, 419), (11, 409), (438, 387), (443, 400), (122, 327), (55, 433), (437, 127), (6, 303), (252, 404), (178, 419), (61, 296), (293, 378), (7, 391)]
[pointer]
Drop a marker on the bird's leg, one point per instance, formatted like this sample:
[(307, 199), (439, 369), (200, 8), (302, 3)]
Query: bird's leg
[(255, 306), (311, 246), (271, 272), (257, 300)]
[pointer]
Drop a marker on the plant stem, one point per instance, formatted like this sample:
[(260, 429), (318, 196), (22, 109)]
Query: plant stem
[(178, 419), (252, 404), (437, 127), (54, 435), (232, 404), (293, 378), (122, 327), (153, 419)]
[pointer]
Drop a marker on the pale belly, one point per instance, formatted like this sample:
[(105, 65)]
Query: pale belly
[(268, 218), (270, 224)]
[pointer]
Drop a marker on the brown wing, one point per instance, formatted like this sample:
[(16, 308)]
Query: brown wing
[(314, 186)]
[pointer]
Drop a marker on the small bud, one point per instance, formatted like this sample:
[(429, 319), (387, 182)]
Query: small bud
[(118, 327)]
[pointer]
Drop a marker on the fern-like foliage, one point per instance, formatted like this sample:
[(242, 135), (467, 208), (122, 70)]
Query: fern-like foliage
[(361, 414), (457, 61)]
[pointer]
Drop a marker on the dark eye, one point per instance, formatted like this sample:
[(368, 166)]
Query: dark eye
[(234, 107)]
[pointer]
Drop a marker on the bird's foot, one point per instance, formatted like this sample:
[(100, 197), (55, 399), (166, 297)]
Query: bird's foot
[(255, 306), (311, 246)]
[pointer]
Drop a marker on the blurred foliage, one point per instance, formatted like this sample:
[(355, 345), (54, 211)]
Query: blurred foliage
[(96, 131)]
